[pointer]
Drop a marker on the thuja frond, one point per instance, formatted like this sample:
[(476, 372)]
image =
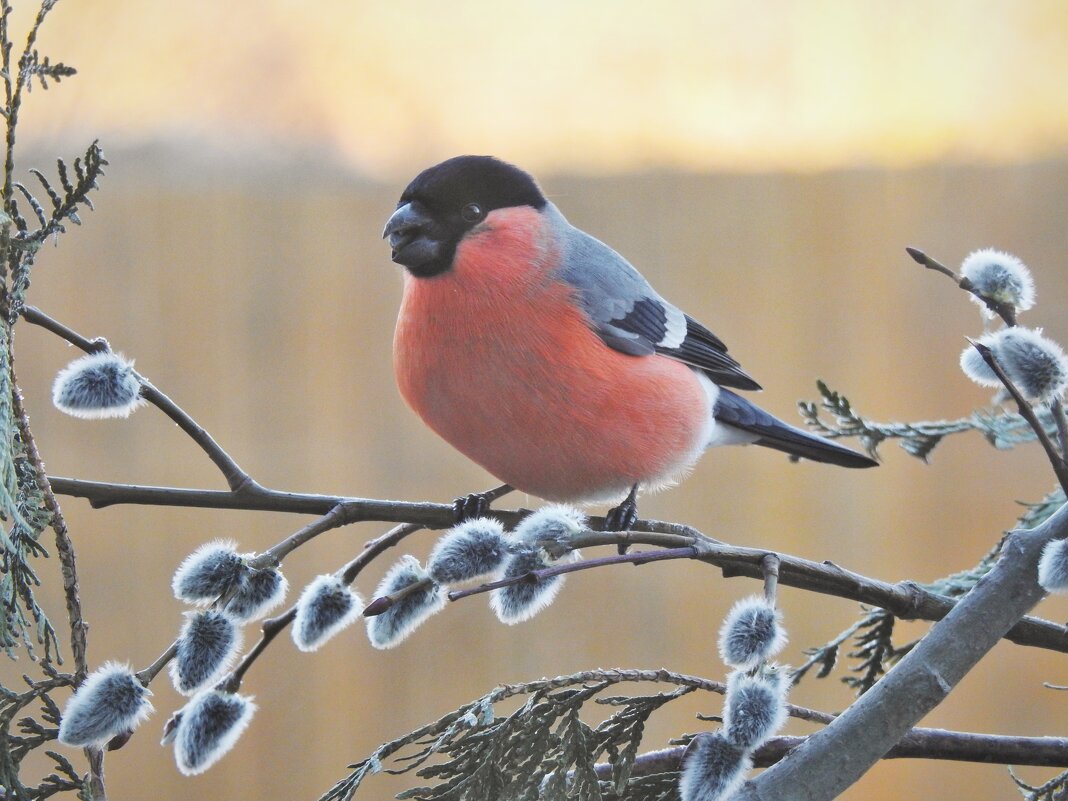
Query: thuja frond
[(875, 648), (825, 656), (33, 66), (21, 543), (23, 508), (87, 170), (76, 181), (1038, 512), (32, 734), (1003, 430), (1056, 789), (542, 750), (653, 787)]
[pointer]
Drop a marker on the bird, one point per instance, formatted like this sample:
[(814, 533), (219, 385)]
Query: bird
[(543, 355)]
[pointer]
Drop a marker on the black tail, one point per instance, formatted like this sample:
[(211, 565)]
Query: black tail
[(774, 433)]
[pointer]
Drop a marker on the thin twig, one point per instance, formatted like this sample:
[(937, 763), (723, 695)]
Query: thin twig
[(272, 557), (1006, 311), (769, 566), (236, 478), (1056, 409), (273, 626), (636, 558), (1060, 467)]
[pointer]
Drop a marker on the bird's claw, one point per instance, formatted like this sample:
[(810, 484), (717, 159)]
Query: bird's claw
[(470, 506), (623, 517)]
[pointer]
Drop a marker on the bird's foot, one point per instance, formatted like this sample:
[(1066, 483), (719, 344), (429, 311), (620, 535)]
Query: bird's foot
[(477, 503), (622, 517)]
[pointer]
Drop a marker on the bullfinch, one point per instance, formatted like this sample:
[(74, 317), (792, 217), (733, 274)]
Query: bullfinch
[(541, 354)]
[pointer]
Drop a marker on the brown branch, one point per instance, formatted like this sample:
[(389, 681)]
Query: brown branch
[(1006, 311), (1060, 467), (920, 743), (906, 599), (236, 478), (272, 627), (636, 558)]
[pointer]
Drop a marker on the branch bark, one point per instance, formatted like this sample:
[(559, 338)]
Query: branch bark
[(834, 758), (905, 599), (957, 746)]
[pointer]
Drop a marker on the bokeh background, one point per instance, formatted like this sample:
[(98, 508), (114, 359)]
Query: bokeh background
[(764, 164)]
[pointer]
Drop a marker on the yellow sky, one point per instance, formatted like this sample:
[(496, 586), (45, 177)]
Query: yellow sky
[(570, 84)]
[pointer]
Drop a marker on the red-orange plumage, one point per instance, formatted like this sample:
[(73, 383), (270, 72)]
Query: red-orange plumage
[(497, 357)]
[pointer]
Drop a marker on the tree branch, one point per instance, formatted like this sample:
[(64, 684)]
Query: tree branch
[(1006, 311), (905, 599), (272, 627), (834, 758), (236, 478), (1044, 752)]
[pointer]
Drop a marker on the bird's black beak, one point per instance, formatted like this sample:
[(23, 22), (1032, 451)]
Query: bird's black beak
[(410, 234)]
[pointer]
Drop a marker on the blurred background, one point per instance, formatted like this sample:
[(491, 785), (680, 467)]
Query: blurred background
[(763, 164)]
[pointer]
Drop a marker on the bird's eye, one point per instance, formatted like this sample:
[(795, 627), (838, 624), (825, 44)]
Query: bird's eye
[(472, 212)]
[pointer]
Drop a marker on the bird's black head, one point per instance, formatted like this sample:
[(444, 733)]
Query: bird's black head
[(446, 201)]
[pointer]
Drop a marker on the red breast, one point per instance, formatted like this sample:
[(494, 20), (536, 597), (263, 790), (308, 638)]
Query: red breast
[(496, 356)]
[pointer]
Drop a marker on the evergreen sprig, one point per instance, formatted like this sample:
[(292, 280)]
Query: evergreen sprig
[(87, 170), (543, 750), (1039, 511), (1004, 430), (23, 507), (33, 733), (29, 718), (33, 66), (1056, 789), (874, 647)]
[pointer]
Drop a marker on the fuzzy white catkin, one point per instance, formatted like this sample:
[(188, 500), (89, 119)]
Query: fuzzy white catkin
[(1000, 277), (1035, 364), (552, 526), (973, 365), (556, 522), (521, 601), (404, 616), (713, 769), (110, 701), (207, 572), (326, 607), (97, 386), (207, 645), (1053, 566), (754, 709), (751, 633), (260, 591), (473, 549), (208, 727)]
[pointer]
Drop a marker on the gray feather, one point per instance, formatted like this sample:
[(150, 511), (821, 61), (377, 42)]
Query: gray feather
[(771, 432), (630, 316)]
